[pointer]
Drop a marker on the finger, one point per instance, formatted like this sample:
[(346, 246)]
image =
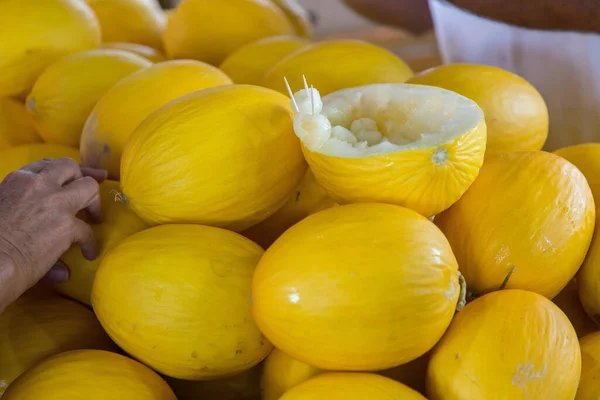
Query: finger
[(62, 171), (83, 235), (36, 167), (58, 273), (99, 175), (84, 194)]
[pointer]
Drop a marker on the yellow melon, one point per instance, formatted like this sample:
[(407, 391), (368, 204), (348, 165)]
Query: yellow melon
[(14, 158), (509, 344), (334, 65), (135, 21), (568, 301), (250, 63), (298, 16), (57, 102), (177, 298), (586, 157), (32, 40), (588, 277), (282, 373), (209, 30), (149, 53), (118, 222), (515, 112), (244, 386), (590, 367), (313, 291), (415, 146), (90, 375), (39, 325), (308, 198), (214, 165), (351, 386), (16, 125), (526, 223), (127, 104)]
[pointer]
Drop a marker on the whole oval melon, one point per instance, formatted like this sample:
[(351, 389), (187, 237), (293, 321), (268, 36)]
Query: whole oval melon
[(509, 344), (527, 220), (135, 21), (209, 30), (515, 112), (333, 65), (357, 287), (130, 101), (225, 156), (57, 102), (177, 298), (36, 33), (40, 324), (249, 63), (90, 375)]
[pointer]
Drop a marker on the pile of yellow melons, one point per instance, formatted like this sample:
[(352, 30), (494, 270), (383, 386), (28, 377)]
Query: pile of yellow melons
[(295, 220)]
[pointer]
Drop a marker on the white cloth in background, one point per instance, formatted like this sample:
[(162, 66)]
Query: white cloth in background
[(564, 66)]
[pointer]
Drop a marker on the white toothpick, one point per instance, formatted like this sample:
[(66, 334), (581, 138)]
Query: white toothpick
[(312, 103), (289, 89), (312, 99)]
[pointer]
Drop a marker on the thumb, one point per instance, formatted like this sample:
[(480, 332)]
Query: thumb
[(58, 273)]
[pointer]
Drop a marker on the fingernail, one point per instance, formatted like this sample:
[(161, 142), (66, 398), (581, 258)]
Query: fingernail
[(98, 174), (58, 273), (89, 253), (102, 174)]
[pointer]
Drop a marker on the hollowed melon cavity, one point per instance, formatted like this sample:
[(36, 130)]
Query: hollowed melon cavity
[(383, 119)]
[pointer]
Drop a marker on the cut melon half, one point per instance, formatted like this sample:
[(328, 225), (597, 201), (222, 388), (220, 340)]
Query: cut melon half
[(416, 146)]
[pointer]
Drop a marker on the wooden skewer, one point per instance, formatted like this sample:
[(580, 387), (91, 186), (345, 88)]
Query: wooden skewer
[(307, 92), (289, 89), (305, 84), (312, 99)]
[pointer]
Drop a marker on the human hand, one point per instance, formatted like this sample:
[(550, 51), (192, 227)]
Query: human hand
[(38, 223), (411, 15)]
